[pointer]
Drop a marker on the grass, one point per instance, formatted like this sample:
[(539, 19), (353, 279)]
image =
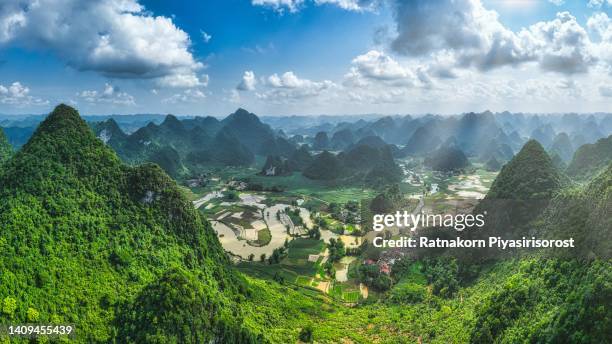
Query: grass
[(266, 271), (336, 291), (264, 236), (299, 185), (341, 292), (301, 248), (303, 280), (295, 265), (351, 296)]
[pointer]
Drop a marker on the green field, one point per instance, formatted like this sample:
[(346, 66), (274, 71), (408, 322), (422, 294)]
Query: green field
[(294, 266), (301, 248), (351, 296), (295, 185), (264, 236), (303, 280), (341, 292)]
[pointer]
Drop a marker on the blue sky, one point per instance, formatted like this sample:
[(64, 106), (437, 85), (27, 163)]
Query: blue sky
[(283, 57)]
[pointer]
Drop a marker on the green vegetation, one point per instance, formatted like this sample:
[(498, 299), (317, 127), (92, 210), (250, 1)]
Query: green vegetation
[(6, 150), (184, 148), (275, 166), (121, 252), (562, 146), (589, 159), (529, 175), (336, 250), (294, 215), (301, 248), (83, 235), (371, 275), (493, 165), (325, 166), (362, 164), (263, 237), (447, 159)]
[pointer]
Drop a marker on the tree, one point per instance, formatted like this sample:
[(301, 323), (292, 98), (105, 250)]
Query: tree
[(279, 278), (371, 276), (9, 305), (306, 334), (315, 233), (336, 250), (329, 269)]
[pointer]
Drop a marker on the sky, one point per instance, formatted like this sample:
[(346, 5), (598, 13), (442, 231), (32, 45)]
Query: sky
[(306, 57)]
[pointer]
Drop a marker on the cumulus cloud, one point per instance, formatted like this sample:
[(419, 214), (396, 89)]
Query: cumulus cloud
[(562, 45), (376, 78), (465, 34), (599, 3), (351, 5), (289, 87), (116, 38), (18, 95), (295, 5), (601, 27), (376, 65), (110, 95), (280, 5), (248, 81), (183, 80), (187, 96), (465, 28)]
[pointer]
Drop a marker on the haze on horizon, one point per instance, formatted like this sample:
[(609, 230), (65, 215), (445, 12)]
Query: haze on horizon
[(306, 57)]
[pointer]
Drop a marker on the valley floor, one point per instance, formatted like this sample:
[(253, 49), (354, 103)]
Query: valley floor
[(251, 225)]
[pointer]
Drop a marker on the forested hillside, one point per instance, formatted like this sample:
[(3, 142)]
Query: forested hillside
[(5, 147), (83, 236), (590, 159)]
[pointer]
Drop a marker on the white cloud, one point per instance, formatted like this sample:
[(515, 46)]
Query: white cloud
[(205, 36), (187, 96), (183, 80), (464, 28), (377, 66), (248, 81), (280, 5), (351, 5), (601, 27), (376, 77), (295, 5), (562, 45), (557, 2), (464, 34), (110, 95), (116, 38), (18, 95), (288, 87), (599, 3)]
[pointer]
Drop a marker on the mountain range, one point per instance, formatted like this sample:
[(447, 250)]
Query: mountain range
[(183, 147), (119, 251)]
